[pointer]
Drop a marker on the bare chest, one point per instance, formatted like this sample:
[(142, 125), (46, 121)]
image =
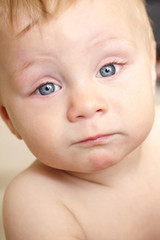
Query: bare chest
[(121, 215)]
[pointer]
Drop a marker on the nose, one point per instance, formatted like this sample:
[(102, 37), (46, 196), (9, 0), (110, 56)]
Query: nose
[(86, 103)]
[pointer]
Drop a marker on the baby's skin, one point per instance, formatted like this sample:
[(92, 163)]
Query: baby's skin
[(79, 90)]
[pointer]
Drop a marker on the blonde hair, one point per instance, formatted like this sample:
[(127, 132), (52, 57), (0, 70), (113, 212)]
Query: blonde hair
[(36, 10)]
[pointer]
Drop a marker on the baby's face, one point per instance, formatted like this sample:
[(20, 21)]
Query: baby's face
[(80, 91)]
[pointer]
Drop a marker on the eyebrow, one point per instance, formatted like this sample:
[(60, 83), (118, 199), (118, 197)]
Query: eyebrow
[(37, 60), (96, 40), (100, 38)]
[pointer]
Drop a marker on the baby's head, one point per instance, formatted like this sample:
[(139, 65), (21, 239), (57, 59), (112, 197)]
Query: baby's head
[(77, 79)]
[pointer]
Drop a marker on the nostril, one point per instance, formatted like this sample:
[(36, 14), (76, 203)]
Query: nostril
[(99, 110), (80, 116)]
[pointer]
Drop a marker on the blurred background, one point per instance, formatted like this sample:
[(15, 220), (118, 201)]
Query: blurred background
[(153, 7), (14, 155)]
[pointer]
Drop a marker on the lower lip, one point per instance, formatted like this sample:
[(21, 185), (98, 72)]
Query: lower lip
[(101, 140)]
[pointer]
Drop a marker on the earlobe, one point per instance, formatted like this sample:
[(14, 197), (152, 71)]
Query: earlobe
[(7, 120)]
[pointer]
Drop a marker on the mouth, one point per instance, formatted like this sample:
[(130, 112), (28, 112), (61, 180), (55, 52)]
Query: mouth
[(95, 140)]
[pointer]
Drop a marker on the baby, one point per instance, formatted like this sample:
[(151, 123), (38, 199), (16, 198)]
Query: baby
[(77, 83)]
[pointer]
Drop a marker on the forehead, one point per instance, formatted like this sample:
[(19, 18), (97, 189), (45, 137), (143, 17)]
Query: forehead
[(112, 16), (88, 17)]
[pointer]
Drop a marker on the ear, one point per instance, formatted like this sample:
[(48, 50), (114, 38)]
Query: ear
[(7, 120)]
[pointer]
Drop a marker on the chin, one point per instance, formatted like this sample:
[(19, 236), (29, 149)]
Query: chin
[(101, 161)]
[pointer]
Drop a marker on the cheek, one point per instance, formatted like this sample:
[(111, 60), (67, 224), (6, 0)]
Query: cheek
[(43, 136), (34, 124), (41, 126), (140, 114), (136, 103)]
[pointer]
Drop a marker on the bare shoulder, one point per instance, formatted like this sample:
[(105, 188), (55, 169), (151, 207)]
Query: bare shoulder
[(33, 211)]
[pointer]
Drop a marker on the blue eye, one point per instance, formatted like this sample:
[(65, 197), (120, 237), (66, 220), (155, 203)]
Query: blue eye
[(47, 89), (108, 70)]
